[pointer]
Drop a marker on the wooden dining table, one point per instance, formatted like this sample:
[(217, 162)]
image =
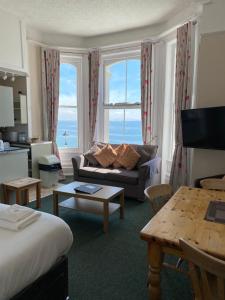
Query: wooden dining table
[(183, 216)]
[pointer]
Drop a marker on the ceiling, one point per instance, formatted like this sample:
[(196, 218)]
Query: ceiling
[(88, 18)]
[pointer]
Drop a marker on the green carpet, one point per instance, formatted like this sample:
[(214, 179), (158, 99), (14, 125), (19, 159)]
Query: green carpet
[(113, 266)]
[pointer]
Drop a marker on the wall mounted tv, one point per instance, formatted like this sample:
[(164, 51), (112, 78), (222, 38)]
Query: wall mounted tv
[(204, 128)]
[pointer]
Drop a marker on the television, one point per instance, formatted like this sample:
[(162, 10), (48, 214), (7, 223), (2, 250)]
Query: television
[(204, 128)]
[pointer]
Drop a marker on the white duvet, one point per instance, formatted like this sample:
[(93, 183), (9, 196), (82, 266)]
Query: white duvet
[(27, 254)]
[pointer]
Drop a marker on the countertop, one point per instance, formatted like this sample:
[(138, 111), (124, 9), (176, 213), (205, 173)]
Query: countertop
[(13, 150)]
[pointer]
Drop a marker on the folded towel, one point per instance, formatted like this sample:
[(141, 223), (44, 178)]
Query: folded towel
[(15, 213), (16, 226)]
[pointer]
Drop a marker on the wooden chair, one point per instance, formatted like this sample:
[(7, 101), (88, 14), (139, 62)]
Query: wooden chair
[(158, 195), (207, 273)]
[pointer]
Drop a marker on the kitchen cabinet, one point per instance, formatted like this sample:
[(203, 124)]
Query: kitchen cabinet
[(6, 106), (20, 110)]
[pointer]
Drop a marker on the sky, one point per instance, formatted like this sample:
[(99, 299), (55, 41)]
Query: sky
[(116, 75)]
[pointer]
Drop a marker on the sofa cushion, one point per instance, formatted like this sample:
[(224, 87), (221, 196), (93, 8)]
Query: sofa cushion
[(106, 156), (89, 155), (119, 151), (129, 158), (117, 175)]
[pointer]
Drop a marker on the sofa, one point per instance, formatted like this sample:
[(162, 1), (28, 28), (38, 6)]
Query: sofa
[(147, 172)]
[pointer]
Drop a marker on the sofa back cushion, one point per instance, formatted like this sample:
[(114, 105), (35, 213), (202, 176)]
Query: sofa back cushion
[(146, 152), (129, 158), (106, 156)]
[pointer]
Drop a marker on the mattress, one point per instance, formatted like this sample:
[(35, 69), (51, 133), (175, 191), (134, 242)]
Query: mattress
[(27, 254)]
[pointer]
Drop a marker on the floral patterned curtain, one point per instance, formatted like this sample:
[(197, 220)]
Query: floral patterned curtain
[(93, 92), (146, 101), (50, 94), (183, 94)]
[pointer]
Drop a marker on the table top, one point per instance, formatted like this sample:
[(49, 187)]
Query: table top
[(106, 193), (183, 217), (22, 182)]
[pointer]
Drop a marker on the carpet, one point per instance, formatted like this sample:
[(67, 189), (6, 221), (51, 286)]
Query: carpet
[(113, 266)]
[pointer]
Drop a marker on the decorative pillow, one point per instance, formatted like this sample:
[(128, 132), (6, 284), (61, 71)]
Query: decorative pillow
[(89, 155), (129, 158), (106, 156), (119, 150)]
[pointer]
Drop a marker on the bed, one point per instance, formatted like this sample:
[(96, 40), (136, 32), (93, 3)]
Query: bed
[(33, 263)]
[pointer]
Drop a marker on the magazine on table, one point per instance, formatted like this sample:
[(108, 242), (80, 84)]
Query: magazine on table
[(88, 188)]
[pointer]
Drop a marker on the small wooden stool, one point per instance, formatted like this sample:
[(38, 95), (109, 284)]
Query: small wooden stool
[(20, 185)]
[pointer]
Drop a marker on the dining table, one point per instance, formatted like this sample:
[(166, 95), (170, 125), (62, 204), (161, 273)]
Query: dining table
[(183, 216)]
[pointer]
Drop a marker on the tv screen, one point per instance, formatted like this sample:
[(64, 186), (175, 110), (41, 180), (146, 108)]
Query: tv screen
[(204, 128)]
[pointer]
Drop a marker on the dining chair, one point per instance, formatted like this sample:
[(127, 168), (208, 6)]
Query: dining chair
[(207, 273), (158, 195)]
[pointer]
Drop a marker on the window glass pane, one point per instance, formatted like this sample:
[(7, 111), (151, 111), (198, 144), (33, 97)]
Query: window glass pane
[(115, 82), (68, 85), (133, 81), (123, 126), (67, 133)]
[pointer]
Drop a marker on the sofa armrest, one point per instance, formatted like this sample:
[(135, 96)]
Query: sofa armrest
[(197, 181), (150, 171), (78, 162)]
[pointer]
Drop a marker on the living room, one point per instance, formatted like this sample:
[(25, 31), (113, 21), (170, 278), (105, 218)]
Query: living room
[(102, 95)]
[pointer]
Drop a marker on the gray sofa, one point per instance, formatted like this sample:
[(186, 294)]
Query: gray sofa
[(134, 182)]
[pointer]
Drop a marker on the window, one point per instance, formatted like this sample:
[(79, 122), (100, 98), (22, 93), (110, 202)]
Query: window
[(122, 101), (169, 111), (67, 129)]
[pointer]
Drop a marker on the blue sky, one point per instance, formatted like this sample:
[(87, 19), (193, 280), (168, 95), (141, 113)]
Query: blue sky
[(116, 74)]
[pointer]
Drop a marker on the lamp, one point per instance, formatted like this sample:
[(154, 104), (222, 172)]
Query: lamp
[(13, 78), (4, 77)]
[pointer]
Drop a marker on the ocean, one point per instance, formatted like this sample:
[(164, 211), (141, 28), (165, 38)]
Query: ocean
[(119, 132)]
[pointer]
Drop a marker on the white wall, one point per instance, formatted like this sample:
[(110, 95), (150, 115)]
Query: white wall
[(210, 82)]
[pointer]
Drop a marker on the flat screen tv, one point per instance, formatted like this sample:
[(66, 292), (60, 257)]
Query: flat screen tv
[(204, 128)]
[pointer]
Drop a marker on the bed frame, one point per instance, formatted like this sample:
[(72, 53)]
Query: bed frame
[(53, 285)]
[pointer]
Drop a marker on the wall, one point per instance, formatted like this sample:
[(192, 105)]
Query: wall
[(210, 82), (34, 58)]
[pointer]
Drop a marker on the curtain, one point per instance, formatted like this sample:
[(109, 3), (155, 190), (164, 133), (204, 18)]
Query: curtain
[(50, 94), (146, 101), (93, 92), (183, 94)]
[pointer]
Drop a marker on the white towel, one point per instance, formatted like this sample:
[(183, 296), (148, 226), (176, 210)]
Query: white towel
[(15, 213), (16, 226)]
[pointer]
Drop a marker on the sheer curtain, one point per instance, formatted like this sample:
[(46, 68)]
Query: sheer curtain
[(50, 94), (146, 86), (183, 96), (93, 92)]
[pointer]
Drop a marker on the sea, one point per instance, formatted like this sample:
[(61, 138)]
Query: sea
[(128, 132)]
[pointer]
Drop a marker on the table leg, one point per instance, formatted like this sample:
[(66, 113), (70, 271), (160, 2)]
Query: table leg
[(155, 259), (26, 192), (18, 197), (55, 203), (106, 217), (38, 195), (122, 205)]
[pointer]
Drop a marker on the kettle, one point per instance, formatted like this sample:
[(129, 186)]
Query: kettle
[(1, 145)]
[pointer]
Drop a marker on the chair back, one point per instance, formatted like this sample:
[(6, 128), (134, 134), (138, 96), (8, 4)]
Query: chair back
[(207, 273), (158, 195)]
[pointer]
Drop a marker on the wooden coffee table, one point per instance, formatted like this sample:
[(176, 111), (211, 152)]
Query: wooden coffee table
[(97, 203)]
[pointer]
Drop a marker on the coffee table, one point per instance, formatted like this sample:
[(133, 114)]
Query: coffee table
[(97, 203)]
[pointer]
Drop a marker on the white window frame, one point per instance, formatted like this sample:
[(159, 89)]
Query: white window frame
[(108, 59), (77, 62)]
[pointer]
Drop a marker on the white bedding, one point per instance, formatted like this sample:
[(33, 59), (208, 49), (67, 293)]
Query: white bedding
[(27, 254)]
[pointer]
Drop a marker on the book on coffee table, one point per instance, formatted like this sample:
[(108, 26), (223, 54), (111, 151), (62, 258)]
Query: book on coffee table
[(88, 188)]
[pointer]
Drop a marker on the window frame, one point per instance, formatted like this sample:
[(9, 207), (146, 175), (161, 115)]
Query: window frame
[(77, 62), (107, 60)]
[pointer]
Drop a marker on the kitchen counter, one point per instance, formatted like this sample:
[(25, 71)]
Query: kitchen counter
[(12, 150)]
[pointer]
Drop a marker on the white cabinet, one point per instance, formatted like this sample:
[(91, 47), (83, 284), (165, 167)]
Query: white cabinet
[(13, 43), (6, 106), (20, 109)]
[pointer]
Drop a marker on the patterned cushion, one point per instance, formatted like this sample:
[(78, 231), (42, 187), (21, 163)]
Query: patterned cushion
[(119, 150), (106, 156), (89, 155), (129, 158)]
